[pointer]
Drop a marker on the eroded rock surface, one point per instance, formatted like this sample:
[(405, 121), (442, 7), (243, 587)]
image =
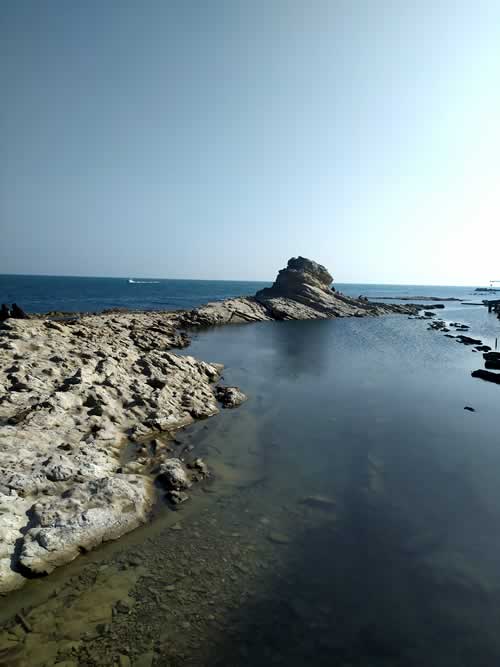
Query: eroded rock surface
[(230, 397), (70, 396), (174, 475), (230, 311), (302, 291)]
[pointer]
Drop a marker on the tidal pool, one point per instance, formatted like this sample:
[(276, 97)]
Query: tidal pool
[(351, 519)]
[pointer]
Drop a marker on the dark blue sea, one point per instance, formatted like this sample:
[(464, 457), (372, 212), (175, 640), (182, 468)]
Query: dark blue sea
[(39, 294)]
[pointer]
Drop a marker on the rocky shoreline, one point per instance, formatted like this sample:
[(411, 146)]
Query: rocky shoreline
[(75, 392)]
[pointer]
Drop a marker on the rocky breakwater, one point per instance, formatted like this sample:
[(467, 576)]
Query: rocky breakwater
[(72, 394), (302, 291)]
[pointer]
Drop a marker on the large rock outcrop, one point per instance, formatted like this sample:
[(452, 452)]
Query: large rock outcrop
[(299, 274), (302, 291)]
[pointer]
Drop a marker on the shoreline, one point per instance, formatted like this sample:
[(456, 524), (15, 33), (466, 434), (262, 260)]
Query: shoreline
[(76, 392), (79, 612), (116, 600)]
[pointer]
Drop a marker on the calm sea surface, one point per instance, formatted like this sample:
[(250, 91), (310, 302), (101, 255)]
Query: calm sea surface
[(45, 293), (370, 413), (397, 564)]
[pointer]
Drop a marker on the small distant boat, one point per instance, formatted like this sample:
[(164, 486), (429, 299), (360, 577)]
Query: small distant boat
[(131, 281), (142, 282)]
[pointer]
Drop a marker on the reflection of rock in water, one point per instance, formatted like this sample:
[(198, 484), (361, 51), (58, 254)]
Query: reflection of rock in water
[(299, 348)]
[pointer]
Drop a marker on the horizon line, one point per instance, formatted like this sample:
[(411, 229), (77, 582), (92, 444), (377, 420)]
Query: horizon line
[(227, 280)]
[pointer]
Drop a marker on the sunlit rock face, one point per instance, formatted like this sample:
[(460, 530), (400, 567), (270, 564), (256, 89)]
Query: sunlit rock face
[(302, 291), (298, 273), (72, 394)]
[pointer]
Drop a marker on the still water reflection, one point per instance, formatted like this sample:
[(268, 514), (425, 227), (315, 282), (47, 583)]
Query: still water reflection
[(371, 413), (352, 520)]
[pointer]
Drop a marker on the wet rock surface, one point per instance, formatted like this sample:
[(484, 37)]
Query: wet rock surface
[(230, 397)]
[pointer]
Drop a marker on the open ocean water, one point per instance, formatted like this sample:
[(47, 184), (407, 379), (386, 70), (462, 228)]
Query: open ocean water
[(39, 294)]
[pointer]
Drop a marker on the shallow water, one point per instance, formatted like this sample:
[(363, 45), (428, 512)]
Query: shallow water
[(397, 562)]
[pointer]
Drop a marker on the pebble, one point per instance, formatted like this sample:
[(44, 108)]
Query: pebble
[(122, 606), (278, 538), (320, 501)]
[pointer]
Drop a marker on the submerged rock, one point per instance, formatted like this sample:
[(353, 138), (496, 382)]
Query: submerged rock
[(323, 502), (199, 467), (230, 397), (173, 474), (178, 497), (278, 538)]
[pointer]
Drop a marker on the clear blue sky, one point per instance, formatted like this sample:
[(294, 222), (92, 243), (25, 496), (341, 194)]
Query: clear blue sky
[(215, 139)]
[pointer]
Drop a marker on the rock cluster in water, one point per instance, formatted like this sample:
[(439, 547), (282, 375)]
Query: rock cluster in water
[(74, 392)]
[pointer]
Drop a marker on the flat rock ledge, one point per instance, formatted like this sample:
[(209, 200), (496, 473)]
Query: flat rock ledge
[(71, 395), (75, 392)]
